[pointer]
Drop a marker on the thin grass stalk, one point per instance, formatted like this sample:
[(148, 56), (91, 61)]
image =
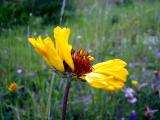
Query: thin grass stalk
[(48, 110), (62, 11)]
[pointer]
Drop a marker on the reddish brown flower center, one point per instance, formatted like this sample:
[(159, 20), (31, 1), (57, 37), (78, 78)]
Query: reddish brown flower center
[(82, 62)]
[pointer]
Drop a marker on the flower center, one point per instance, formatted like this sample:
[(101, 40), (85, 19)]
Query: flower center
[(82, 62)]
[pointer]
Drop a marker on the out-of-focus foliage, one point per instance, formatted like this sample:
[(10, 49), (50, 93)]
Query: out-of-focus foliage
[(14, 12)]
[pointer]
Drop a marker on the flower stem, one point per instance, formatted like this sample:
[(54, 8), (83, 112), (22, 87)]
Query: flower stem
[(65, 98)]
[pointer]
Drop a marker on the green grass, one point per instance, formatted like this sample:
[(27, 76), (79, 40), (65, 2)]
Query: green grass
[(131, 33)]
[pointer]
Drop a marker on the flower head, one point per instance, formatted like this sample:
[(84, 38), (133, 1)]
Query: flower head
[(129, 94), (108, 75), (134, 82), (82, 62), (133, 115), (12, 87), (150, 113)]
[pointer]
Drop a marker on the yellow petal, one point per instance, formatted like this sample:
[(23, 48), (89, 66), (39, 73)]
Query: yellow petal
[(109, 75), (63, 48), (32, 41), (115, 63), (113, 67), (46, 49), (102, 81)]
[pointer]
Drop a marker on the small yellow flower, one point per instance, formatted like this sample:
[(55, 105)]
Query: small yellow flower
[(134, 82), (109, 75), (12, 87)]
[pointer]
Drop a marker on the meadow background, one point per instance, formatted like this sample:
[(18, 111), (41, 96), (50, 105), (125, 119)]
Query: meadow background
[(125, 29)]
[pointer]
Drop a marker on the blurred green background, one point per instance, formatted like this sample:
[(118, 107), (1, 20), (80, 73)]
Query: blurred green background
[(108, 29)]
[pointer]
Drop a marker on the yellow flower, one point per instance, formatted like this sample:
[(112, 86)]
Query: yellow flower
[(109, 75), (12, 87), (134, 82)]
